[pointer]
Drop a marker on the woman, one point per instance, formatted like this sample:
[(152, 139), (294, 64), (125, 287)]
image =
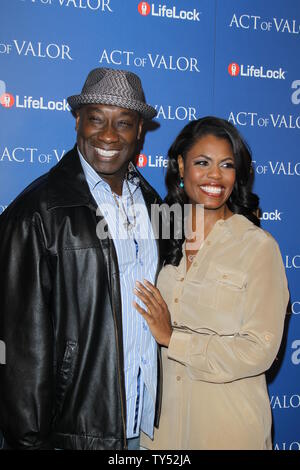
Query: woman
[(219, 307)]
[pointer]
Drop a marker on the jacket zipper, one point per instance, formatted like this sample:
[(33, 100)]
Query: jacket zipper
[(119, 377), (118, 353)]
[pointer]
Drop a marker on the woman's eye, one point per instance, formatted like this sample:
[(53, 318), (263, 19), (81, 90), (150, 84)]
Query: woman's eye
[(228, 165), (201, 162)]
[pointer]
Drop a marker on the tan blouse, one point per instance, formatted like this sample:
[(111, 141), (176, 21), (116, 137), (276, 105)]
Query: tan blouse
[(228, 314)]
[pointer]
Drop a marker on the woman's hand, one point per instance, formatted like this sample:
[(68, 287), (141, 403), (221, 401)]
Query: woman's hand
[(157, 314)]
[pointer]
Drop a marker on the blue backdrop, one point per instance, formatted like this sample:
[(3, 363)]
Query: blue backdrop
[(237, 59)]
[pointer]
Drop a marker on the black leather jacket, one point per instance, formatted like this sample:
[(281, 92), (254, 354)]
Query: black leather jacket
[(60, 318)]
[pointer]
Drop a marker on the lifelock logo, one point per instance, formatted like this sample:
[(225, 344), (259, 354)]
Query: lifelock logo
[(28, 102), (271, 215), (6, 99), (235, 69), (162, 11), (155, 162)]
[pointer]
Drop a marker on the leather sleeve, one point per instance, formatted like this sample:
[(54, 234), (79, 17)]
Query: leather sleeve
[(26, 378)]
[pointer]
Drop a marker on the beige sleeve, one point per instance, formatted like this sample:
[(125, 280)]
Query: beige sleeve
[(211, 357)]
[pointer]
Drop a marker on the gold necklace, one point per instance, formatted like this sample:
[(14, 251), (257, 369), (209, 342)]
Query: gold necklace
[(192, 257)]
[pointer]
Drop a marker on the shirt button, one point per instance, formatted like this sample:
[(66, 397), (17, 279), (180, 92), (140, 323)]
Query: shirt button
[(267, 337), (178, 378), (195, 264), (144, 361), (144, 327), (176, 301), (175, 323), (181, 279), (225, 276)]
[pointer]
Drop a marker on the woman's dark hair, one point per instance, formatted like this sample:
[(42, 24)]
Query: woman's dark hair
[(241, 201)]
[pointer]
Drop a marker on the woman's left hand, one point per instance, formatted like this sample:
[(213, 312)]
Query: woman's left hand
[(157, 314)]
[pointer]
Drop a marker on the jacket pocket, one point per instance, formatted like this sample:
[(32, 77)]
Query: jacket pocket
[(65, 374), (221, 298), (232, 278), (230, 287)]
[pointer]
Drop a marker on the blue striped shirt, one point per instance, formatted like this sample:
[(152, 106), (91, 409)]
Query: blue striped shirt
[(137, 259)]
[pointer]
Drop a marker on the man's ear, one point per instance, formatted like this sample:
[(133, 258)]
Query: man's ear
[(180, 165), (77, 119), (140, 128)]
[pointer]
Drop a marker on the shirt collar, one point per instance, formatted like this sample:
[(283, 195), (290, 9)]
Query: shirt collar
[(132, 175), (236, 225)]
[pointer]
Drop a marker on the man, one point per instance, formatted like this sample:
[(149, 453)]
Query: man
[(81, 364)]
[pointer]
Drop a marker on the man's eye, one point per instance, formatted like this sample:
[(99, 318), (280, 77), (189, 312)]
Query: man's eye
[(125, 124), (95, 119)]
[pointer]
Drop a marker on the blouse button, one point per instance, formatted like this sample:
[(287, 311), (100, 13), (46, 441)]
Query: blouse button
[(176, 301), (175, 323), (225, 276), (181, 279), (178, 378)]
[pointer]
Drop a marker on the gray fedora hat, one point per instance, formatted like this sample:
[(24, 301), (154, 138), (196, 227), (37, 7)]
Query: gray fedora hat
[(113, 87)]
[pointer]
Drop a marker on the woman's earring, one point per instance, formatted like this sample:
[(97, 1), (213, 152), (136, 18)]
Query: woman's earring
[(181, 184)]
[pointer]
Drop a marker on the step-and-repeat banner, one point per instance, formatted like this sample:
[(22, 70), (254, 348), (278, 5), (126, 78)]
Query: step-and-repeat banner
[(237, 59)]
